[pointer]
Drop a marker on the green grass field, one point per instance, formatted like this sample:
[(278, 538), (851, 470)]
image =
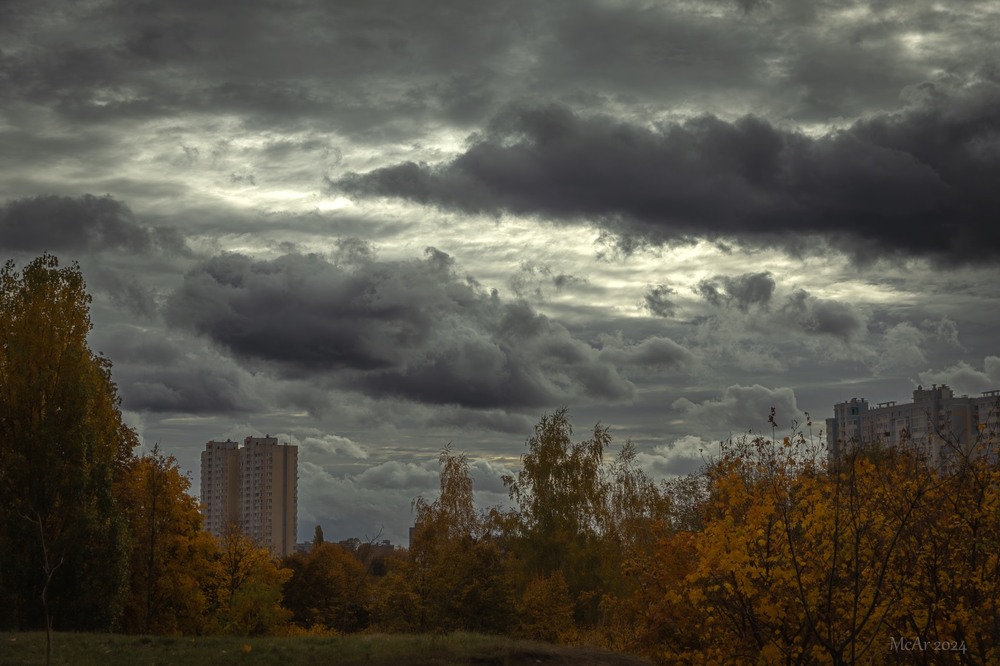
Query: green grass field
[(371, 650)]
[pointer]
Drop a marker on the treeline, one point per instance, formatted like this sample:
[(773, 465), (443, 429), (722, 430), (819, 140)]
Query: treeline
[(772, 554)]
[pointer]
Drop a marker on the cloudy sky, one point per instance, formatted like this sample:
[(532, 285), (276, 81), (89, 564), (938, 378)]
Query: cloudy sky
[(373, 228)]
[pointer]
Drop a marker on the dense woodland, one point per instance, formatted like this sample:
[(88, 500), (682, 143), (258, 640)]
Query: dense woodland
[(771, 555)]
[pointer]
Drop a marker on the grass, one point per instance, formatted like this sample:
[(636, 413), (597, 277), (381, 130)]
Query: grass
[(368, 649)]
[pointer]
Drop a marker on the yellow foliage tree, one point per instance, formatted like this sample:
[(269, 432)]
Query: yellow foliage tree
[(63, 538), (584, 517), (454, 575), (244, 590), (955, 591), (171, 554), (328, 589), (545, 610), (797, 561)]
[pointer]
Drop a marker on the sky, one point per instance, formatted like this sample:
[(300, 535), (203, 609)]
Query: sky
[(375, 228)]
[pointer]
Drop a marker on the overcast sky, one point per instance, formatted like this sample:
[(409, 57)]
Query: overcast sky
[(373, 228)]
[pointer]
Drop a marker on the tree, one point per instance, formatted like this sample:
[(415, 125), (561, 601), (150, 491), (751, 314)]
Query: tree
[(62, 445), (582, 516), (956, 590), (171, 554), (245, 587), (454, 575), (562, 501), (545, 610), (795, 561), (328, 589)]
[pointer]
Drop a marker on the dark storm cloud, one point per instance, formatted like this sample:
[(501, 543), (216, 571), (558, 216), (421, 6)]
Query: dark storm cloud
[(495, 420), (124, 290), (377, 64), (742, 291), (656, 352), (188, 391), (863, 190), (657, 301), (159, 373), (819, 316), (87, 223), (413, 329), (389, 68), (533, 279)]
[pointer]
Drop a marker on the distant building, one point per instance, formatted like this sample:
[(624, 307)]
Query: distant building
[(936, 419), (220, 485), (254, 487)]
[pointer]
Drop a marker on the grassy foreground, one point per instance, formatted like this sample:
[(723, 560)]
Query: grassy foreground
[(371, 650)]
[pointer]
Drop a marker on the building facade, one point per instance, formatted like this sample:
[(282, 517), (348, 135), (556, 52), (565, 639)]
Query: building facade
[(937, 420), (220, 485), (255, 487)]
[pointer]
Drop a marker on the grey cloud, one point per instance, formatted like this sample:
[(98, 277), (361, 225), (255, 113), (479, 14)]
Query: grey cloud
[(363, 504), (197, 391), (742, 407), (197, 384), (133, 344), (710, 292), (533, 279), (124, 290), (487, 477), (743, 291), (87, 223), (685, 455), (964, 378), (820, 316), (750, 289), (157, 372), (945, 330), (271, 65), (862, 190), (657, 301), (495, 420), (902, 348), (398, 475), (412, 329), (386, 68), (335, 445), (655, 352), (243, 179), (380, 497), (352, 251)]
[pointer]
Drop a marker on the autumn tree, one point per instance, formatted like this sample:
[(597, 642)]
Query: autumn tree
[(955, 590), (244, 589), (62, 445), (582, 515), (328, 589), (796, 560), (856, 559), (171, 554), (454, 575), (560, 498), (545, 610)]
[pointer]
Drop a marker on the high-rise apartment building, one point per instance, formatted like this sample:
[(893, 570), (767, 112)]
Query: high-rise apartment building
[(937, 420), (254, 487), (269, 495), (220, 485)]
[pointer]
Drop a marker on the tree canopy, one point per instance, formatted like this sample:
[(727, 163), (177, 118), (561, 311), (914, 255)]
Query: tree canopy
[(62, 445)]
